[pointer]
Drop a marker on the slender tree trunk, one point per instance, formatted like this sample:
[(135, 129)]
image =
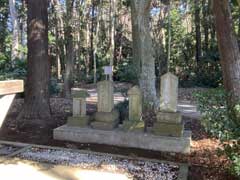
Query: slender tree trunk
[(36, 109), (197, 30), (68, 78), (205, 23), (112, 34), (15, 28), (143, 50), (229, 51)]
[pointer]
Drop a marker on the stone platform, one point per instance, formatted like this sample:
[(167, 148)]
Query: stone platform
[(124, 139)]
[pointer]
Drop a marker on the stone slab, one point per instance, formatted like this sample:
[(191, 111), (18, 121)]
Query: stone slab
[(133, 126), (167, 129), (79, 93), (104, 125), (166, 117), (125, 139), (78, 121), (106, 116)]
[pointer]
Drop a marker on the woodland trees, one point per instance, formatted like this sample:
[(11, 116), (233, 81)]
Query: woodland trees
[(229, 51), (141, 39)]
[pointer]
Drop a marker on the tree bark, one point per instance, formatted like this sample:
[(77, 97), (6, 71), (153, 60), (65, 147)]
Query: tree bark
[(143, 50), (112, 34), (197, 30), (15, 30), (229, 50), (68, 78), (36, 109)]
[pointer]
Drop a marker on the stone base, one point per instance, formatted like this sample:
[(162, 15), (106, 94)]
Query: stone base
[(133, 126), (169, 117), (104, 125), (124, 139), (78, 121), (167, 129), (106, 116)]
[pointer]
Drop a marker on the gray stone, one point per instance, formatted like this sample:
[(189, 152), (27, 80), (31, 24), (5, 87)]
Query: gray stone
[(79, 93), (104, 125), (79, 107), (105, 96), (168, 129), (78, 121), (125, 139), (133, 126), (166, 117), (135, 104), (168, 93), (106, 116)]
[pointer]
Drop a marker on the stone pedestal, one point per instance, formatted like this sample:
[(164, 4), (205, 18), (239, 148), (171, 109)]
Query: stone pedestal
[(134, 122), (79, 117), (169, 121), (106, 118)]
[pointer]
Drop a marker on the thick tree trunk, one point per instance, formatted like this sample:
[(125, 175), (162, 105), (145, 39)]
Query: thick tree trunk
[(229, 50), (36, 109), (197, 30), (68, 78), (143, 50), (15, 29)]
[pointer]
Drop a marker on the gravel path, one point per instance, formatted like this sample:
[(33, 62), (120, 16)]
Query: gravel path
[(135, 169)]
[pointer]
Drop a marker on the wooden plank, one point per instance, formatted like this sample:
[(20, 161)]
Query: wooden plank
[(5, 104), (11, 87)]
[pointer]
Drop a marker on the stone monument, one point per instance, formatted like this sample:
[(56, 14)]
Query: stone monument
[(134, 122), (79, 117), (169, 121), (106, 118)]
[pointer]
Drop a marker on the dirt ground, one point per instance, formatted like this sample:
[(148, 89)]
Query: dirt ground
[(203, 160)]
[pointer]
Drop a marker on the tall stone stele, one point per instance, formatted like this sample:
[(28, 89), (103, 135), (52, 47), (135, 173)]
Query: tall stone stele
[(106, 118), (135, 103), (169, 121), (134, 122), (79, 110)]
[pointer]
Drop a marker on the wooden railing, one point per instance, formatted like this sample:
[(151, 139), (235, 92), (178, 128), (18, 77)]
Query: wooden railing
[(8, 90)]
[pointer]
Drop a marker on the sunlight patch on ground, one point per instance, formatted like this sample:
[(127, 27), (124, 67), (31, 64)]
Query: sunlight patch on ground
[(5, 104), (28, 171)]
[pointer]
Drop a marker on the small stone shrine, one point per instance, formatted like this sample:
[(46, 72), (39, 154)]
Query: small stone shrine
[(169, 121), (107, 118), (79, 117)]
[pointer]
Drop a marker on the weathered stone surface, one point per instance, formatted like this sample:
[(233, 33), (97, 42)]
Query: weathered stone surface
[(168, 93), (79, 93), (135, 104), (106, 116), (133, 126), (105, 96), (79, 107), (78, 121), (166, 117), (125, 139), (167, 129), (104, 125)]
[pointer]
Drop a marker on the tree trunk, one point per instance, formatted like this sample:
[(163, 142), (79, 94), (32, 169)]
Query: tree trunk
[(68, 78), (229, 51), (112, 34), (36, 109), (143, 50), (15, 29), (197, 30), (205, 10)]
